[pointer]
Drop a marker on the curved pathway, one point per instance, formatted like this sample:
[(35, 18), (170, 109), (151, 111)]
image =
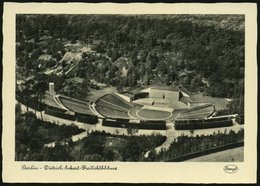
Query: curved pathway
[(93, 109), (74, 138), (57, 100)]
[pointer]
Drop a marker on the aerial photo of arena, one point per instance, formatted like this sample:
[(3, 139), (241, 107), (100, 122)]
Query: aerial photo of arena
[(168, 111), (129, 88), (151, 108)]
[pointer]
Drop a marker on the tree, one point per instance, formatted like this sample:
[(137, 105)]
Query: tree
[(151, 155), (151, 60), (131, 130), (27, 92), (39, 89), (162, 67)]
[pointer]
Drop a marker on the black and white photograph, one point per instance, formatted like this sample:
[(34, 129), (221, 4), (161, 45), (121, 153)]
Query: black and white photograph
[(129, 87)]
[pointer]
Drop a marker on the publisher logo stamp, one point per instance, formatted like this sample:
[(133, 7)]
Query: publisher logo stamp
[(230, 169)]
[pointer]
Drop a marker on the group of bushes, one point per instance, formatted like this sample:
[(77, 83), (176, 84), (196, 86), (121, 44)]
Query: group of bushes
[(202, 124), (60, 114), (102, 146), (185, 145), (32, 103), (148, 125), (90, 119), (162, 122)]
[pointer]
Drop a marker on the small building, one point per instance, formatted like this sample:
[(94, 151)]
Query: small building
[(128, 97), (101, 85), (19, 84), (51, 87)]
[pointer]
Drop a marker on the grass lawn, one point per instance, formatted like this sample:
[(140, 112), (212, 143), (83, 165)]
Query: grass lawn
[(153, 114), (197, 114), (236, 155), (220, 103)]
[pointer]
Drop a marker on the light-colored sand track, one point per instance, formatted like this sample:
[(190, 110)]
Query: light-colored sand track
[(146, 114)]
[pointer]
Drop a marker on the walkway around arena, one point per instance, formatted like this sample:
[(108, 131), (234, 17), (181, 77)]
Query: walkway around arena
[(170, 133)]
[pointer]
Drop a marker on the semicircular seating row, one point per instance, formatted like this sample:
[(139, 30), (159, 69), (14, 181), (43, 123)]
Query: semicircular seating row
[(112, 106)]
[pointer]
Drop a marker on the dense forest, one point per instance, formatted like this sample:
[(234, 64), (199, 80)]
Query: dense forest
[(204, 53), (31, 134), (184, 145)]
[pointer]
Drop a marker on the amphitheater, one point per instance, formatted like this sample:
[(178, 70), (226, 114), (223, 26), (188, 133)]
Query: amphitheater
[(150, 109)]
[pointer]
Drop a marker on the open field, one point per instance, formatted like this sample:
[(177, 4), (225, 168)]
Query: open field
[(161, 103), (231, 155), (153, 114), (220, 103)]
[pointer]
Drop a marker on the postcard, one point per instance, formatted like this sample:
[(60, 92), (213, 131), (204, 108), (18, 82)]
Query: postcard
[(129, 93)]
